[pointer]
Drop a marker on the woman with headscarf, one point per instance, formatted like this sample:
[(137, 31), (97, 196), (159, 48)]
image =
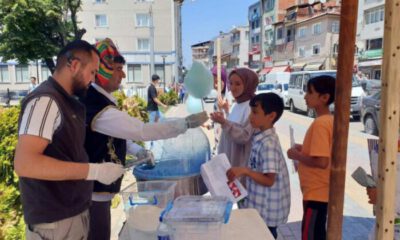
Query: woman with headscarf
[(235, 139)]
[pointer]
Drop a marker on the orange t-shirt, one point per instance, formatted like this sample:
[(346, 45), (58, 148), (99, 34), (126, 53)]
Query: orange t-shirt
[(314, 182)]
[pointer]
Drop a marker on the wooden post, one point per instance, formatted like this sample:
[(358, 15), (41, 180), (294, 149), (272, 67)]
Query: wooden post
[(389, 119), (348, 20), (219, 88)]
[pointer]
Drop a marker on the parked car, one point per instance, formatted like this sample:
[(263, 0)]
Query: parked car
[(370, 109), (298, 88), (277, 82), (371, 86)]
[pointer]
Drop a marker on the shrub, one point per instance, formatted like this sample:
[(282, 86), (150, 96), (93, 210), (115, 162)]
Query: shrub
[(11, 216), (169, 98)]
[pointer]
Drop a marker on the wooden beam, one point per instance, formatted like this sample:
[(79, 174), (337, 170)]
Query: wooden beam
[(219, 86), (389, 119), (344, 76)]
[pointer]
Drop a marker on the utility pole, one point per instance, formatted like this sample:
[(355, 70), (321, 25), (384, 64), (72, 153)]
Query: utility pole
[(163, 61), (152, 69), (178, 41), (262, 35)]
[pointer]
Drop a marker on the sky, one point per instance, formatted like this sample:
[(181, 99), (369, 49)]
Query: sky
[(203, 19)]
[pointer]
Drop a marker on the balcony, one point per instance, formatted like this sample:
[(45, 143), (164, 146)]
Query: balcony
[(371, 54)]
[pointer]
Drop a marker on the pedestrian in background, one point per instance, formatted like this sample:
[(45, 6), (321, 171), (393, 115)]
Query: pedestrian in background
[(153, 102), (32, 85)]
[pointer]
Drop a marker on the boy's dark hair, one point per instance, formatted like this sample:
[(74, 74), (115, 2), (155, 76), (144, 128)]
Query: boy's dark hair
[(323, 84), (119, 59), (269, 102), (68, 53), (155, 77)]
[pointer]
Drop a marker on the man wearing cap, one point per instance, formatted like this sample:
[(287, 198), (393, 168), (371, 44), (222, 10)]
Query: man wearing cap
[(108, 129), (152, 101)]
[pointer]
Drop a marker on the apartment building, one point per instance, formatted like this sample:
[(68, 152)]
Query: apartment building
[(254, 17), (370, 39), (274, 12), (201, 52), (240, 47), (128, 24), (317, 38), (138, 28)]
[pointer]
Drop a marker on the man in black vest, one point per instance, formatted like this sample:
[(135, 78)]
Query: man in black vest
[(50, 157), (107, 131)]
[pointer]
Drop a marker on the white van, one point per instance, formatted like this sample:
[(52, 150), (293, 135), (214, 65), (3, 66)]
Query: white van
[(298, 88), (277, 82)]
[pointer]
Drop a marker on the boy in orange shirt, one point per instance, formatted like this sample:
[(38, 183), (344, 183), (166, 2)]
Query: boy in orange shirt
[(314, 158)]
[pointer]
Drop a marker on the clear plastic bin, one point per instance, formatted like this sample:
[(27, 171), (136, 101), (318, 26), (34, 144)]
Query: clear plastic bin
[(145, 197), (197, 217), (157, 193)]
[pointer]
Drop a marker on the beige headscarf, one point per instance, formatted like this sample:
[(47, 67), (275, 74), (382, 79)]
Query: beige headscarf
[(250, 82)]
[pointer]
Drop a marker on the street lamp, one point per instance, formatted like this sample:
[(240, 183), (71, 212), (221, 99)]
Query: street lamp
[(163, 61)]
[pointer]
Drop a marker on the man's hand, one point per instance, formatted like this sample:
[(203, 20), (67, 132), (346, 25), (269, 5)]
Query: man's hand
[(105, 173), (218, 117), (371, 192), (196, 120), (236, 172)]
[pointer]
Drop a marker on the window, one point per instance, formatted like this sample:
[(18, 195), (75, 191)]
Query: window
[(335, 48), (377, 74), (373, 44), (142, 20), (289, 35), (101, 20), (316, 49), (247, 35), (45, 72), (335, 26), (99, 1), (159, 69), (302, 32), (302, 52), (279, 33), (257, 39), (143, 44), (4, 74), (269, 5), (316, 29), (134, 73), (21, 73), (374, 15)]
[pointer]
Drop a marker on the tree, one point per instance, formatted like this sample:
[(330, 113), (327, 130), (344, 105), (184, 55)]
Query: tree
[(37, 29)]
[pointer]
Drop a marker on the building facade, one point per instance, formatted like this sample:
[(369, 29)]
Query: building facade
[(201, 52), (254, 17), (240, 47), (370, 39), (134, 26)]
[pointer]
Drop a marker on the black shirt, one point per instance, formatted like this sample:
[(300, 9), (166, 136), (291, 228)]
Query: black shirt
[(151, 94)]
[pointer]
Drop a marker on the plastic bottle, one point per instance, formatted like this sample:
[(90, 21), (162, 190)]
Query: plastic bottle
[(163, 232)]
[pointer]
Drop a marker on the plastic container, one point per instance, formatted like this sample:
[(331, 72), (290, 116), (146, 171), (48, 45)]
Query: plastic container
[(197, 217), (143, 203)]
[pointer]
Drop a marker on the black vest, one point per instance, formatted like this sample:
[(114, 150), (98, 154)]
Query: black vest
[(100, 147), (50, 201)]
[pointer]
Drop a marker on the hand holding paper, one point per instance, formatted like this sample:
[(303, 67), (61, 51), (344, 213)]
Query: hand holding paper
[(293, 145)]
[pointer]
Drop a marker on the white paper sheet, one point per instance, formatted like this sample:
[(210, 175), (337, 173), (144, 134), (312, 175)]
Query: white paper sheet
[(214, 176)]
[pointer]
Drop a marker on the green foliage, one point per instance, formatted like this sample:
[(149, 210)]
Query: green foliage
[(11, 216), (37, 29), (134, 106), (169, 98)]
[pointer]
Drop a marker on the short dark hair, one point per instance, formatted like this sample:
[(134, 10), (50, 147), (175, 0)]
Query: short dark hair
[(155, 77), (68, 53), (269, 102), (323, 84), (119, 59)]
